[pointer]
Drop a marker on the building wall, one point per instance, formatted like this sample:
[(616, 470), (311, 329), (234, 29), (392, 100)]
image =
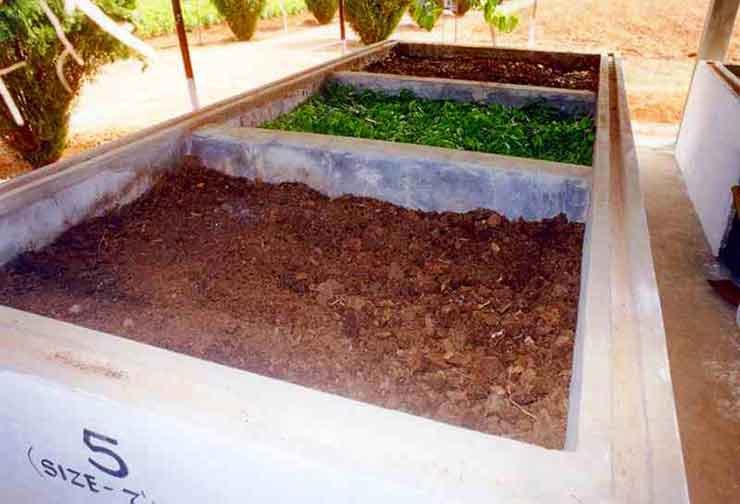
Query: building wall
[(708, 148)]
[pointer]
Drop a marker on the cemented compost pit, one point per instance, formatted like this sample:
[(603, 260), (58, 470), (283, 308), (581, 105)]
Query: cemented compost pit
[(539, 70), (467, 318)]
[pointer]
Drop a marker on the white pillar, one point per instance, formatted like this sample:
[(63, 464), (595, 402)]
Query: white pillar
[(718, 26)]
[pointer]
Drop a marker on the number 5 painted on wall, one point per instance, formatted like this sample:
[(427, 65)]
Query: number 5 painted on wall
[(89, 437)]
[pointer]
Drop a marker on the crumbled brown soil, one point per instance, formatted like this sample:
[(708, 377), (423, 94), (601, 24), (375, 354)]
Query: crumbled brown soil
[(464, 318), (500, 69)]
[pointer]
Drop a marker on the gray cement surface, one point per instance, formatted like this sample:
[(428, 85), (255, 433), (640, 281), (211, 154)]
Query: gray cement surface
[(569, 102), (414, 176), (703, 340)]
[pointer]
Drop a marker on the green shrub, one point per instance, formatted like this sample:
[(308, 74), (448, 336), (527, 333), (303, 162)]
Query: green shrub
[(323, 10), (241, 15), (375, 20), (26, 34), (426, 12), (292, 7), (154, 17)]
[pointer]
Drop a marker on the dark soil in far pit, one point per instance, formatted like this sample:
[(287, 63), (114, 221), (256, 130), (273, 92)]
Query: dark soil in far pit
[(464, 318), (500, 69)]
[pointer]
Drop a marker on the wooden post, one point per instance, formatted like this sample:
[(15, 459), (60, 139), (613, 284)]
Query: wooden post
[(185, 51), (342, 34)]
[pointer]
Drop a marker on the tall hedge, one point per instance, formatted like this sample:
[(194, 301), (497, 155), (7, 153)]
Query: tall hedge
[(241, 15), (426, 12), (323, 10), (374, 20), (27, 35)]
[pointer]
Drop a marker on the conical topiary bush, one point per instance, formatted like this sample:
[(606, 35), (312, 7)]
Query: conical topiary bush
[(241, 15), (323, 10), (374, 20)]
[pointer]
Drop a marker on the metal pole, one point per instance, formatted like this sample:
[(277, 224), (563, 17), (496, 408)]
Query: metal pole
[(185, 51), (533, 26), (284, 13), (342, 33)]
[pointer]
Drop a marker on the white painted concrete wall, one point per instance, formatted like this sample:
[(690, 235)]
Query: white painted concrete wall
[(190, 431), (708, 149)]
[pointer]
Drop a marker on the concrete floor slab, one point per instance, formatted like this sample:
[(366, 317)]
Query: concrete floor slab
[(703, 340)]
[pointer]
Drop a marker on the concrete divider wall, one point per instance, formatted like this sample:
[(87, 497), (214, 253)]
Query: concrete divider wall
[(34, 214), (569, 102), (37, 207), (567, 59), (420, 177)]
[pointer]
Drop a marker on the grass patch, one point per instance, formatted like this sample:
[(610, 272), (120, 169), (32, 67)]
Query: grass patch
[(535, 131), (154, 17)]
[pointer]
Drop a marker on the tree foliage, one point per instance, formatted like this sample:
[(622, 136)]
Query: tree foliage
[(27, 35), (241, 15), (375, 20), (426, 12), (323, 10), (505, 23)]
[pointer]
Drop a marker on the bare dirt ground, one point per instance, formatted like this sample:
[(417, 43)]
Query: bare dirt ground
[(657, 40)]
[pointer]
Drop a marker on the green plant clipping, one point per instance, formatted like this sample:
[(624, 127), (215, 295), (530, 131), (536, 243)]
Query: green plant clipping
[(426, 12), (241, 15), (323, 10), (374, 20), (27, 35), (534, 131)]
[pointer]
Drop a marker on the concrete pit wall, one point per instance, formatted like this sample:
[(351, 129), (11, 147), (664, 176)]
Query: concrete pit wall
[(81, 406), (419, 177), (570, 60), (39, 206), (569, 102)]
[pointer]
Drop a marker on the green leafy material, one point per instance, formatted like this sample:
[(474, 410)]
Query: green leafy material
[(426, 12), (534, 131)]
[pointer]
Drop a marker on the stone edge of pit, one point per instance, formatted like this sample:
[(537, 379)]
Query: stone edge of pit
[(413, 176), (568, 101)]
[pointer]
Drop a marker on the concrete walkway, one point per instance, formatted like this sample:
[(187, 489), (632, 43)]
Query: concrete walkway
[(703, 340), (143, 98)]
